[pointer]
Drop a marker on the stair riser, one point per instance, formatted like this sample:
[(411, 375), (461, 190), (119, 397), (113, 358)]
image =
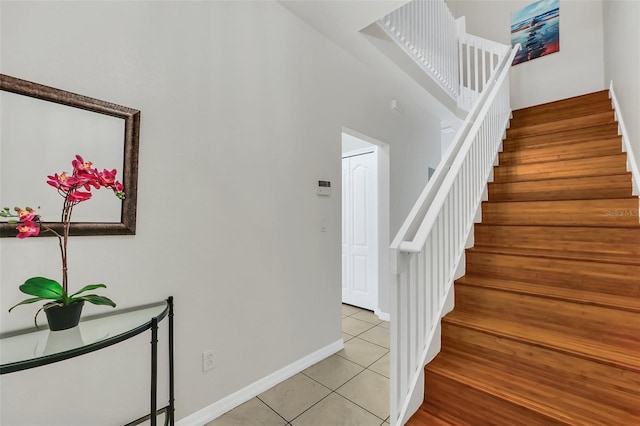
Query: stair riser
[(424, 417), (624, 241), (605, 300), (567, 137), (596, 148), (618, 386), (554, 108), (572, 319), (562, 125), (583, 167), (605, 213), (476, 407), (559, 112), (596, 277), (589, 188)]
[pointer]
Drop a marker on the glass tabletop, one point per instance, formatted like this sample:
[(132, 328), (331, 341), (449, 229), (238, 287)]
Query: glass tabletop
[(32, 348)]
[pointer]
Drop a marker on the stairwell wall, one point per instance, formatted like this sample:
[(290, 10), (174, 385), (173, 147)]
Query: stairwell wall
[(242, 107), (622, 62), (578, 67)]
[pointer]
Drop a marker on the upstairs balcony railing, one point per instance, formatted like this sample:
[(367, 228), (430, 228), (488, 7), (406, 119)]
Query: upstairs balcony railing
[(460, 63)]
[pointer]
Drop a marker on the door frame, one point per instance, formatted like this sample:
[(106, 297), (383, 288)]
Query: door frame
[(384, 235), (371, 299)]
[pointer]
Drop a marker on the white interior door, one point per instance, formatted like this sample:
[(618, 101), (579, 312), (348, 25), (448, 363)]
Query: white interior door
[(360, 230)]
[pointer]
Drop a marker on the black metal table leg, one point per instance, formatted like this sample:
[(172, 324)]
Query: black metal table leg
[(171, 409), (154, 372)]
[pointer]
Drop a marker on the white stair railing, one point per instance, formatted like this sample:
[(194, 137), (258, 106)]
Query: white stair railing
[(632, 164), (427, 31), (459, 62), (477, 60), (430, 244)]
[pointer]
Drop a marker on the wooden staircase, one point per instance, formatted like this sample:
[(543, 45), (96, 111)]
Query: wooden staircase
[(546, 325)]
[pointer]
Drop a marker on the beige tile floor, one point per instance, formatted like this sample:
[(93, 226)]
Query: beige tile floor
[(350, 388)]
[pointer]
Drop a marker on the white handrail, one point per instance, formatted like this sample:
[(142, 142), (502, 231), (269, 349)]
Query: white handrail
[(632, 164), (426, 262), (417, 242), (426, 198)]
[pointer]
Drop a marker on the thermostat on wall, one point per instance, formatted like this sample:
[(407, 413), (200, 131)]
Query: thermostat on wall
[(324, 187)]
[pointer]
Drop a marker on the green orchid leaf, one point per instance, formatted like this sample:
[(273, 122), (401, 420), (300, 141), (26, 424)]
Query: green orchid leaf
[(27, 301), (42, 287), (89, 287), (96, 300)]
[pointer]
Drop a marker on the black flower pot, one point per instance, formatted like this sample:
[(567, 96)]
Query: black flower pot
[(64, 317)]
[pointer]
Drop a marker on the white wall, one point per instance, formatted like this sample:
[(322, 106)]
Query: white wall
[(578, 67), (351, 143), (622, 62), (242, 111)]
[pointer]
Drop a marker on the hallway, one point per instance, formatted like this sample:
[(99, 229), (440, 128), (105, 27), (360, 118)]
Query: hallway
[(348, 388)]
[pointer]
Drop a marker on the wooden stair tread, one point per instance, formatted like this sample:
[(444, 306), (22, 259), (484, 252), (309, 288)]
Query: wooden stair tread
[(541, 154), (526, 117), (424, 417), (579, 188), (599, 212), (591, 239), (553, 292), (565, 137), (561, 112), (572, 103), (609, 278), (572, 320), (574, 168), (574, 345), (475, 407), (557, 404), (562, 125), (619, 386), (622, 259)]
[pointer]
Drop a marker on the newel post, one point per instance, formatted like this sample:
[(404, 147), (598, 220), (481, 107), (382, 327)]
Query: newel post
[(399, 261)]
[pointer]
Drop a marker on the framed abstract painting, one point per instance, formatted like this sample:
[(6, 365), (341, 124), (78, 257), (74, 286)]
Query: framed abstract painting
[(537, 28)]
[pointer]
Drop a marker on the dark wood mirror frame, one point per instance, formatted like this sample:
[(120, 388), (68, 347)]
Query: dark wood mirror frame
[(131, 117)]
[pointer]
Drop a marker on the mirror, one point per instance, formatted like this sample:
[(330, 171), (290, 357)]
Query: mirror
[(42, 130)]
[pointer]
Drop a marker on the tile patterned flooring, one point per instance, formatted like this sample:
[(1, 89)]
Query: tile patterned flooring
[(350, 388)]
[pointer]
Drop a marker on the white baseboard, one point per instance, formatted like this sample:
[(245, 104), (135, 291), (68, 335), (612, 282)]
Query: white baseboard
[(384, 316), (220, 407)]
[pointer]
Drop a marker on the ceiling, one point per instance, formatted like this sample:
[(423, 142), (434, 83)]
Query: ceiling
[(342, 22)]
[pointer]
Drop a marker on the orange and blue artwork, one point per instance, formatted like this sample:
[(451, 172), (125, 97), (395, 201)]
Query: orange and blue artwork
[(537, 28)]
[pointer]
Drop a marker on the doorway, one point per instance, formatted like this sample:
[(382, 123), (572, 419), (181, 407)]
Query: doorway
[(360, 228), (364, 222)]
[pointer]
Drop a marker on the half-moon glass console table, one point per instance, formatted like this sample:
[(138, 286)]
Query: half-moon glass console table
[(26, 349)]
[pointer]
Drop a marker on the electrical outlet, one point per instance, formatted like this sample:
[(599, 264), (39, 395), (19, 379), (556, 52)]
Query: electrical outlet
[(207, 361)]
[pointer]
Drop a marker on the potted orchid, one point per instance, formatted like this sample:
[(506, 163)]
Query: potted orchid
[(63, 309)]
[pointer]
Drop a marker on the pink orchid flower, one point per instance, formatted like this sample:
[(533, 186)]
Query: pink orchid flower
[(79, 164), (107, 177), (28, 229), (60, 181), (26, 215), (118, 187), (78, 196)]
